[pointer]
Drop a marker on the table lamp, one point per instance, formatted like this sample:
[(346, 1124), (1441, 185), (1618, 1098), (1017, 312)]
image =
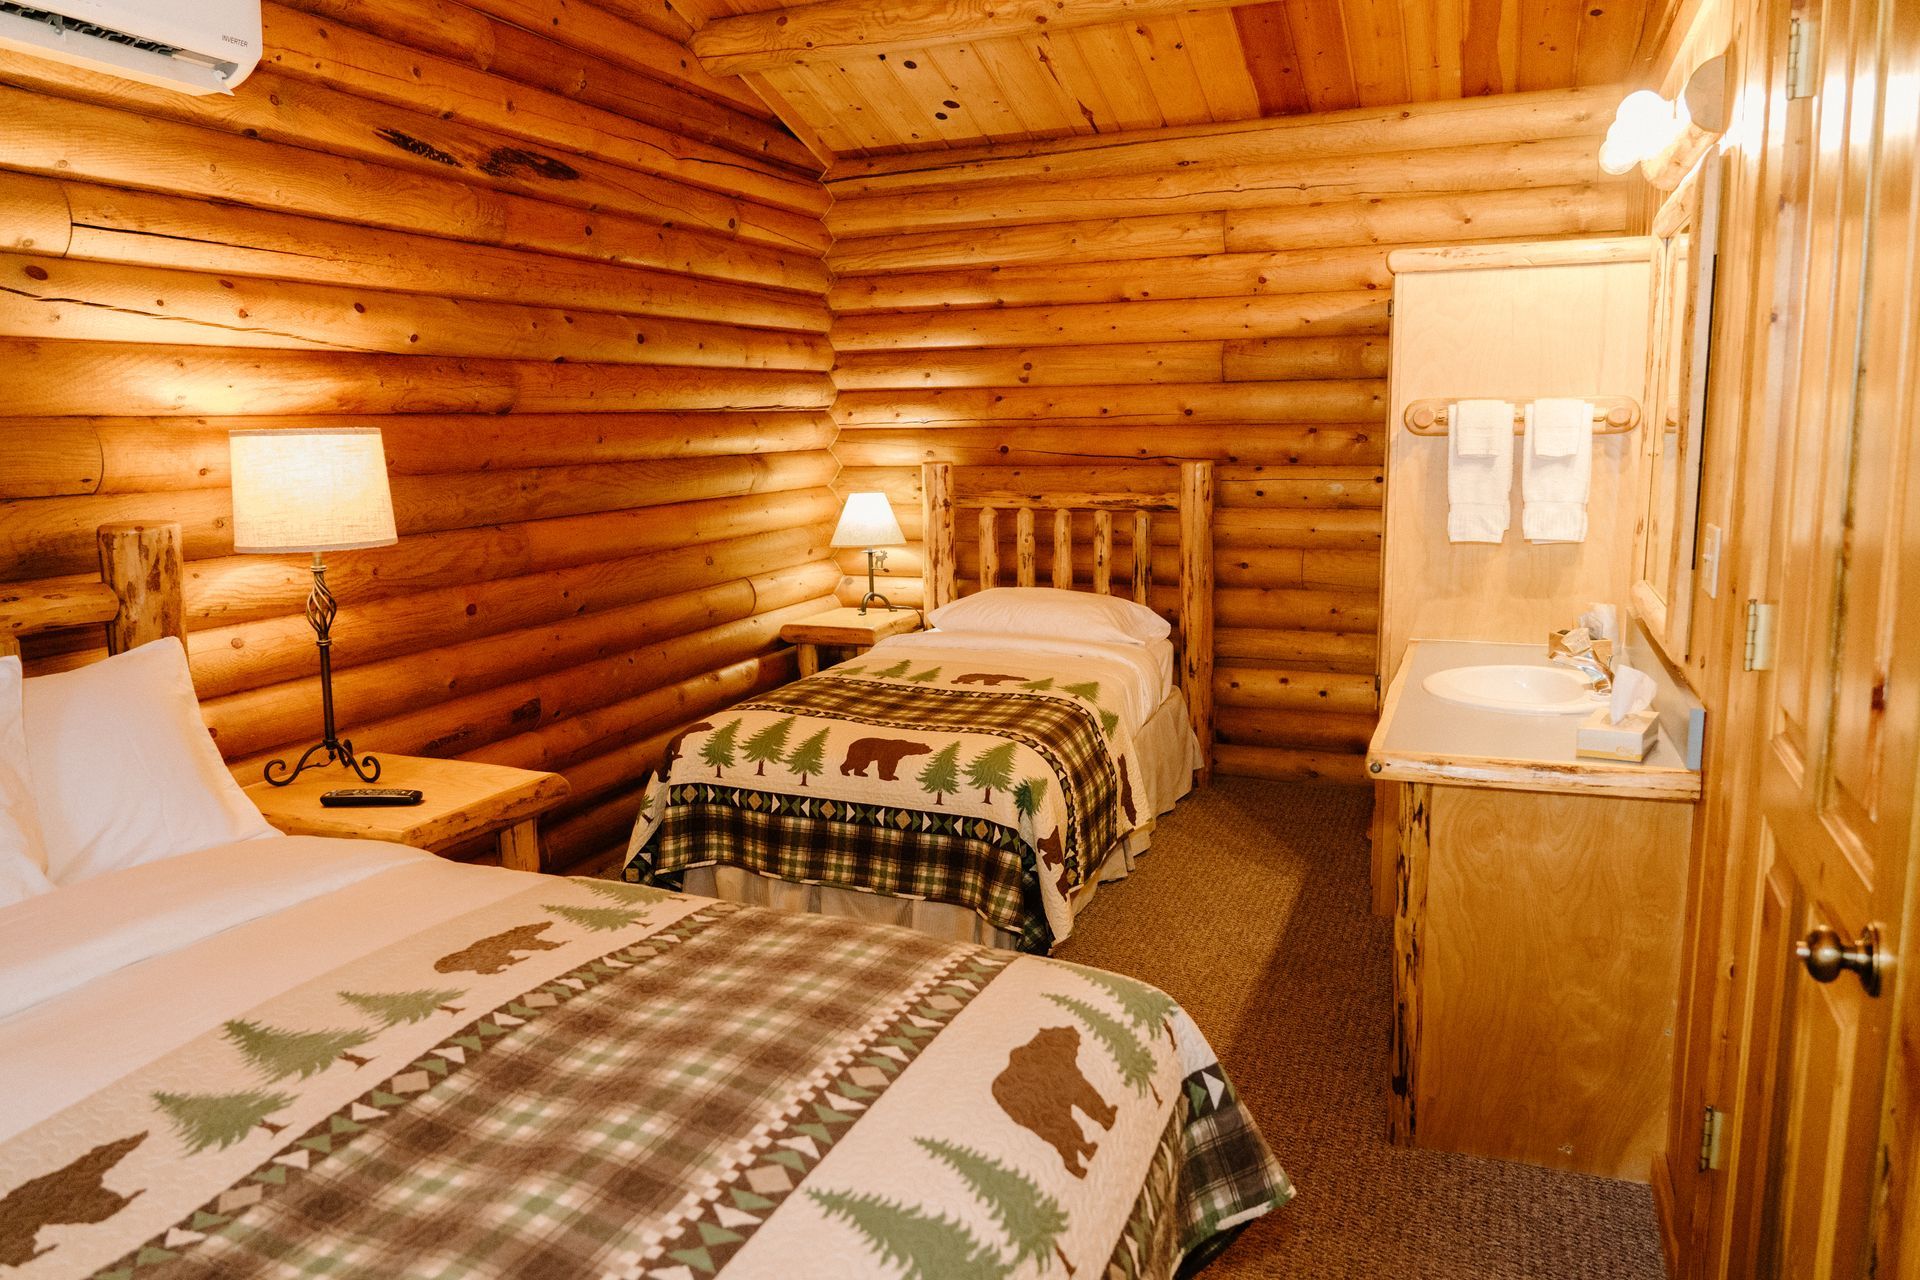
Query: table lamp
[(867, 522), (318, 490)]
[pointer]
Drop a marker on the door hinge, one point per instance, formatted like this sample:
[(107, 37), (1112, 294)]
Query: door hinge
[(1800, 36), (1760, 629), (1711, 1123)]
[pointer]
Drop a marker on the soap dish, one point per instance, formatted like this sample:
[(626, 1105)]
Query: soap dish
[(1630, 740)]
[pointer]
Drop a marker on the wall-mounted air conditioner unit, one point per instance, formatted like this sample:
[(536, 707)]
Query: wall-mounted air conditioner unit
[(195, 46)]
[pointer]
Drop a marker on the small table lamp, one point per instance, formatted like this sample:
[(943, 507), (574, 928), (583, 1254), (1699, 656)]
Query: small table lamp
[(867, 521), (318, 490)]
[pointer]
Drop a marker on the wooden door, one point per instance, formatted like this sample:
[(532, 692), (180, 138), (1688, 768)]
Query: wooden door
[(1833, 782)]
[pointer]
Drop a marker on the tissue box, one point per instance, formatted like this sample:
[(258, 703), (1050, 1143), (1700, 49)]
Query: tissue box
[(1601, 739)]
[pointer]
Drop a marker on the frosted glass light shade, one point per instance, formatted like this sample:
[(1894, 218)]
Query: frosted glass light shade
[(310, 489), (867, 521)]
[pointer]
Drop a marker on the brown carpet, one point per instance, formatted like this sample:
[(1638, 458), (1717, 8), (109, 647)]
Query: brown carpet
[(1251, 910)]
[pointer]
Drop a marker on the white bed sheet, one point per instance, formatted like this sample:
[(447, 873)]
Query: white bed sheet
[(164, 950), (1142, 672)]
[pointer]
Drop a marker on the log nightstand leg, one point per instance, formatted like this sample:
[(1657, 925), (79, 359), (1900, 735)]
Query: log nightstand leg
[(809, 659), (520, 846)]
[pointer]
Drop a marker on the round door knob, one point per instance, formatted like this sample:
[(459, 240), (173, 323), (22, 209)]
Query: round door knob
[(1827, 955)]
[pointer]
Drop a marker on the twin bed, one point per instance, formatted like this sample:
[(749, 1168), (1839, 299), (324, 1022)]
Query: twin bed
[(268, 1055), (977, 781)]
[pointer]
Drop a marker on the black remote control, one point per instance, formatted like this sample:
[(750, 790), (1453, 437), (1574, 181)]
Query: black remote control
[(369, 797)]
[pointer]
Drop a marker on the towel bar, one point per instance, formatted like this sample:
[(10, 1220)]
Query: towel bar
[(1614, 415)]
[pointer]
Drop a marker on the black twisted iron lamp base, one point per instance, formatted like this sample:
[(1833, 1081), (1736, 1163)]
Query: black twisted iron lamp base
[(332, 748), (366, 768)]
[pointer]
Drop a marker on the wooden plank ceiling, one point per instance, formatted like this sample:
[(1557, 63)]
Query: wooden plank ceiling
[(1172, 65)]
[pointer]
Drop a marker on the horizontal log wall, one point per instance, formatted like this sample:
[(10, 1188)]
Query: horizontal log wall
[(1204, 294), (576, 281)]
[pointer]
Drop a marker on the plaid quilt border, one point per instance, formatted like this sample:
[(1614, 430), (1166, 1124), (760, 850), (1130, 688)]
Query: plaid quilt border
[(898, 853)]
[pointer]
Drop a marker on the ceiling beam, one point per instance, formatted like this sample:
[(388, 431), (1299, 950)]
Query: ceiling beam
[(831, 29)]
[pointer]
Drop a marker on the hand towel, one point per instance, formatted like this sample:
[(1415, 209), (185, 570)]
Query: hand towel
[(1555, 485), (1479, 470), (1559, 425)]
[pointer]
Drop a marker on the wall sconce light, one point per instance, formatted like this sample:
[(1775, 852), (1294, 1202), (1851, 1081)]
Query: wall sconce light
[(1645, 125), (1666, 137)]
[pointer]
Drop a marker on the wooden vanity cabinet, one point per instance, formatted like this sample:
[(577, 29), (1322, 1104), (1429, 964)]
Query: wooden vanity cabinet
[(1537, 944)]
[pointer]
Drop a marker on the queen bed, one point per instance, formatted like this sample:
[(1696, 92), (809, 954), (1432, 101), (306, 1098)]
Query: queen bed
[(977, 781), (234, 1053)]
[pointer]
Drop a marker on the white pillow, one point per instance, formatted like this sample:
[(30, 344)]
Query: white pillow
[(1051, 612), (124, 770), (23, 863)]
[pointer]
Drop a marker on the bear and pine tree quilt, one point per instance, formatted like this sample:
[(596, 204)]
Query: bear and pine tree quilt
[(999, 782), (595, 1079)]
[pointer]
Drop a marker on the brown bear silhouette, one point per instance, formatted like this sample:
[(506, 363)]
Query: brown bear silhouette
[(673, 747), (74, 1195), (885, 752), (494, 953), (1053, 852), (1126, 793), (1042, 1086), (986, 677)]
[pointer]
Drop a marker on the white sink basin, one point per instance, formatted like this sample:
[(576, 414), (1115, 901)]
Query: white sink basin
[(1532, 691)]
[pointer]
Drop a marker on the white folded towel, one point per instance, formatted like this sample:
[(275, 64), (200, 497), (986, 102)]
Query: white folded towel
[(1556, 470), (1559, 425), (1479, 470)]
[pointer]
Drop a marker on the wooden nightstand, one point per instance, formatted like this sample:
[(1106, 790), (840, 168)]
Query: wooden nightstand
[(846, 629), (462, 799)]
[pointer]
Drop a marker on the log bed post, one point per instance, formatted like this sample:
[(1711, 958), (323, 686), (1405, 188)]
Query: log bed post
[(142, 565), (1196, 603), (936, 515)]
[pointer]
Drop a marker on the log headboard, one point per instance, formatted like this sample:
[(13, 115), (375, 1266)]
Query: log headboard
[(139, 596), (947, 489)]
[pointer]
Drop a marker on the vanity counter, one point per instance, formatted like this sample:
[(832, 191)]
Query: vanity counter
[(1423, 738)]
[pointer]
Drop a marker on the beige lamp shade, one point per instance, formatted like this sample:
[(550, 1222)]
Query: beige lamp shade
[(867, 521), (310, 489)]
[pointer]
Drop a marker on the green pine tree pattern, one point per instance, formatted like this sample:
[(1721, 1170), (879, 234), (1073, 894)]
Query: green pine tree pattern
[(1149, 1008), (925, 1246), (205, 1120), (942, 775), (1032, 1219), (895, 671), (1038, 686), (632, 895), (992, 769), (1028, 795), (390, 1010), (278, 1053), (848, 669), (598, 919), (1129, 1054), (930, 674), (1090, 691), (768, 745), (717, 750), (809, 757), (1109, 721)]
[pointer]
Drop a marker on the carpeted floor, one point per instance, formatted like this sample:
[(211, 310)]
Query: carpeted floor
[(1251, 910)]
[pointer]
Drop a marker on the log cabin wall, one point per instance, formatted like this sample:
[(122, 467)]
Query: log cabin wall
[(576, 281), (1214, 291)]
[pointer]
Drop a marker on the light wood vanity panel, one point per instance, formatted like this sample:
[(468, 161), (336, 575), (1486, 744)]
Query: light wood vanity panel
[(1537, 944)]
